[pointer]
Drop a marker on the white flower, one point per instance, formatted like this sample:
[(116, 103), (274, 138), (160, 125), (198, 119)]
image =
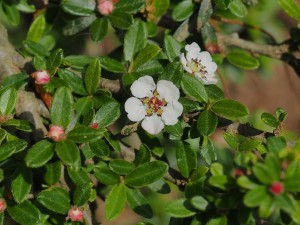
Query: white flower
[(157, 105), (199, 64)]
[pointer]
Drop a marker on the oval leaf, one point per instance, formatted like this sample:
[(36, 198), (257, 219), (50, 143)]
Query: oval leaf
[(229, 109), (68, 152), (115, 202), (92, 76), (193, 87), (39, 154), (243, 60)]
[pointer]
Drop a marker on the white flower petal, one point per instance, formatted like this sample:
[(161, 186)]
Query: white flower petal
[(135, 109), (191, 55), (211, 67), (204, 56), (143, 87), (153, 124), (184, 63), (171, 113), (167, 90), (207, 79), (194, 47)]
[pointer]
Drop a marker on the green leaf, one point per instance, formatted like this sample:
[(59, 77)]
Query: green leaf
[(92, 76), (216, 169), (77, 25), (204, 14), (131, 6), (68, 152), (11, 12), (8, 101), (262, 173), (208, 152), (280, 114), (21, 185), (143, 155), (138, 203), (61, 107), (23, 6), (161, 7), (107, 114), (220, 181), (172, 47), (54, 61), (189, 105), (82, 194), (39, 63), (25, 213), (199, 203), (115, 202), (105, 176), (83, 106), (144, 56), (121, 166), (276, 144), (229, 109), (112, 65), (99, 148), (183, 10), (133, 43), (15, 80), (231, 140), (292, 183), (53, 172), (120, 20), (186, 158), (113, 142), (77, 61), (11, 147), (175, 131), (287, 203), (146, 173), (84, 134), (79, 175), (243, 60), (249, 144), (99, 29), (78, 7), (180, 208), (245, 182), (19, 124), (218, 221), (39, 154), (56, 199), (222, 4), (173, 72), (37, 28), (269, 119), (207, 123), (193, 87), (35, 48), (291, 8), (73, 81), (214, 92), (238, 8)]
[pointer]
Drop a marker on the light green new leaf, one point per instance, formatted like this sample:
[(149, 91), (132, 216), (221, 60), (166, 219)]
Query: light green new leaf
[(37, 28), (21, 184), (115, 202), (180, 208), (193, 87), (8, 101), (79, 7), (291, 8), (92, 76), (238, 8), (243, 60), (99, 29), (172, 47), (183, 10)]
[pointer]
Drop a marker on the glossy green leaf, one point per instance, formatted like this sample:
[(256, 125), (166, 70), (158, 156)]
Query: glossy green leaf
[(77, 25), (144, 56), (61, 107), (12, 147), (115, 202), (207, 123), (121, 166), (112, 65), (218, 221), (34, 48), (92, 76), (161, 7), (120, 19), (107, 114), (37, 28), (238, 8), (291, 8), (73, 81), (208, 153), (173, 72), (131, 6), (15, 80), (231, 140), (199, 203), (25, 213), (138, 203), (180, 208), (68, 152), (186, 158), (105, 176), (56, 199), (39, 154), (82, 194), (280, 114), (183, 10), (21, 184), (54, 61), (266, 207), (19, 124), (189, 105), (214, 92), (79, 176), (243, 60), (84, 134), (287, 203), (83, 106), (172, 47), (99, 29), (276, 144), (245, 182), (269, 119), (220, 181), (146, 173), (53, 172), (229, 109), (133, 43), (11, 12), (8, 101), (143, 155), (78, 7), (77, 61), (194, 88), (150, 68), (99, 148), (175, 131), (23, 6), (263, 173)]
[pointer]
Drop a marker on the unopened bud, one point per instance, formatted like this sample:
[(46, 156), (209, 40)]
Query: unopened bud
[(95, 125), (238, 172), (2, 205), (41, 77), (276, 188), (105, 7), (56, 133), (75, 214)]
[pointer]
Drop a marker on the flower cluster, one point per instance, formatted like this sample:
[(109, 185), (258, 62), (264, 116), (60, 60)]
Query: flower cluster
[(199, 64), (154, 105)]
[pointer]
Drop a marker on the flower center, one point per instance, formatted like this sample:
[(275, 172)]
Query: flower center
[(196, 66), (154, 104)]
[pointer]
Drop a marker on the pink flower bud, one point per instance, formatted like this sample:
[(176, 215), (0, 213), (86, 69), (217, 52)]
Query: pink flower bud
[(276, 188), (2, 205), (105, 7), (75, 214), (56, 133), (238, 172), (41, 77)]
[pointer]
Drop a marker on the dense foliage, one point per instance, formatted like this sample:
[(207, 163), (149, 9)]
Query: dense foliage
[(159, 85)]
